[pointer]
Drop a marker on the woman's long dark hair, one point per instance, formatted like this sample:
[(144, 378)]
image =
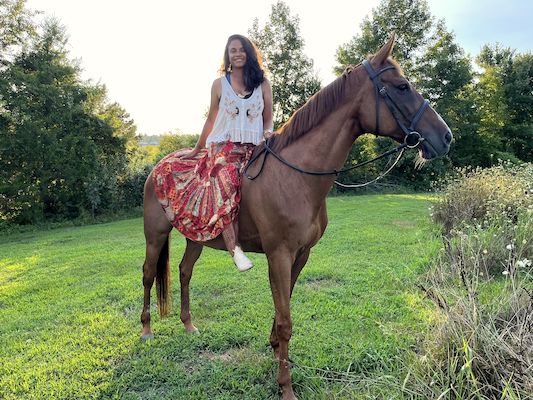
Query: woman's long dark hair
[(254, 74)]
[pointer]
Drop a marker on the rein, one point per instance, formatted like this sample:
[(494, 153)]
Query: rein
[(412, 137)]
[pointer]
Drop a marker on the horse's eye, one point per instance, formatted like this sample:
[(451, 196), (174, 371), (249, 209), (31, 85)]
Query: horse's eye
[(403, 87)]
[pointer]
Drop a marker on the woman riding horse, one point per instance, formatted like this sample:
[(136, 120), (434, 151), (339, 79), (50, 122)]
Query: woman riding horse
[(200, 189), (372, 97)]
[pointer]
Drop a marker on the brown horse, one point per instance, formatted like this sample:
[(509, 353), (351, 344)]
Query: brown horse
[(283, 211)]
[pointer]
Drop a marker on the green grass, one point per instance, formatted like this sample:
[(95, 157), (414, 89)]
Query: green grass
[(70, 302)]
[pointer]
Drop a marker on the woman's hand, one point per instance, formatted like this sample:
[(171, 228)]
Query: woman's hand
[(267, 133), (192, 153)]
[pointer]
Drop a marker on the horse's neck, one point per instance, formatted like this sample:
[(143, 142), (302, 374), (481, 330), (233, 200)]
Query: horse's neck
[(331, 141), (325, 147)]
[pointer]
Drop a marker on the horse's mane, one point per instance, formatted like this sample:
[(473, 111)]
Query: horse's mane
[(318, 107), (314, 110)]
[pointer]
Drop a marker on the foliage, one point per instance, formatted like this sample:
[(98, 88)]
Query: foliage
[(16, 28), (444, 76), (409, 19), (169, 143), (291, 76), (485, 196), (482, 345), (512, 77), (65, 150)]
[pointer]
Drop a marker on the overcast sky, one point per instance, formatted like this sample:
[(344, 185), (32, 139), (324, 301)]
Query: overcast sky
[(158, 59)]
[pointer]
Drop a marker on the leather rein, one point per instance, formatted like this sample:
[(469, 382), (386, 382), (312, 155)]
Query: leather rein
[(412, 138)]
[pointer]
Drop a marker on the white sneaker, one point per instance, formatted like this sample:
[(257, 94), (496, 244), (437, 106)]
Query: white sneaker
[(242, 262)]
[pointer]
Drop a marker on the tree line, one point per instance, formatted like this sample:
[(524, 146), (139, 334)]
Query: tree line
[(67, 150)]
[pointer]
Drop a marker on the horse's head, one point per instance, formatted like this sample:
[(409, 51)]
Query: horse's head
[(399, 109)]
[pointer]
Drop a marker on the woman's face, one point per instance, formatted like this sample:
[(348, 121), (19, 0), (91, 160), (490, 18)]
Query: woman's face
[(237, 55)]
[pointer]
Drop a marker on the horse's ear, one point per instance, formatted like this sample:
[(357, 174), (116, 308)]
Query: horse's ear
[(385, 51)]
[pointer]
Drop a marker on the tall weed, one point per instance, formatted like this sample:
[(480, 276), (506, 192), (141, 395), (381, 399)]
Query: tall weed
[(481, 347)]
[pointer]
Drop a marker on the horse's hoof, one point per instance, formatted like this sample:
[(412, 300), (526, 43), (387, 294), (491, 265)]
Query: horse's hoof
[(146, 337), (289, 396), (193, 331)]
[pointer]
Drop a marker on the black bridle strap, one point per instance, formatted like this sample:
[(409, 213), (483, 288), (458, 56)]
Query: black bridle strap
[(411, 140), (381, 91), (266, 150), (418, 115), (374, 76)]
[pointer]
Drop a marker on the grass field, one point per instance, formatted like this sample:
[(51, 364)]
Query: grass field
[(70, 302)]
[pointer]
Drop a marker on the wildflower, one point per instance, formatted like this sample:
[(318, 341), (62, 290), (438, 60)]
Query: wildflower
[(523, 263), (505, 272), (485, 251), (510, 246), (524, 241)]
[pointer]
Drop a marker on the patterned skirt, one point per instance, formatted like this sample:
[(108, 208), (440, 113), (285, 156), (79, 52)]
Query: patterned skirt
[(201, 195)]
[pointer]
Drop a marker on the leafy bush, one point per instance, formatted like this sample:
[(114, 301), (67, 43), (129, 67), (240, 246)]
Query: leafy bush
[(485, 196), (481, 347), (171, 142)]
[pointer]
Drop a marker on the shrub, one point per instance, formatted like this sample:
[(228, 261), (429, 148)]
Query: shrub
[(481, 346), (485, 196)]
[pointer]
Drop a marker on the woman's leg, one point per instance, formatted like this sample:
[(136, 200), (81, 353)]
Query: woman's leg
[(230, 236)]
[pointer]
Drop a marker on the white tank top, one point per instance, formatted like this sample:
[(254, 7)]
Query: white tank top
[(238, 120)]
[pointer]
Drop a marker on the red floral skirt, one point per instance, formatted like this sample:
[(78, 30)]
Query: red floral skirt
[(201, 195)]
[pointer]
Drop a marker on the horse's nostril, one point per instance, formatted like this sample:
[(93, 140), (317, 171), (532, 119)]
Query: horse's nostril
[(448, 137)]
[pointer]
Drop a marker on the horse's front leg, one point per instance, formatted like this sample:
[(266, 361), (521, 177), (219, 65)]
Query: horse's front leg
[(297, 267), (280, 264), (192, 252)]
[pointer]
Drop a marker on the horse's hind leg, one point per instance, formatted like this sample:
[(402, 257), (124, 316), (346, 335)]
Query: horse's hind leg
[(192, 252)]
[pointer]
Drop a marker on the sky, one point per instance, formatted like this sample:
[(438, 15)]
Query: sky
[(158, 59)]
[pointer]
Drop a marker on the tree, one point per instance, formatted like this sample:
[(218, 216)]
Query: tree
[(515, 72), (58, 156), (16, 27), (510, 76), (291, 72), (409, 19), (444, 76), (519, 90), (171, 142)]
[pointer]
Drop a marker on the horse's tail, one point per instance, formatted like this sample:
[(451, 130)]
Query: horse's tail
[(162, 280)]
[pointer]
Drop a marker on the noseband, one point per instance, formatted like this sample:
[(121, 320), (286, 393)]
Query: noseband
[(411, 140)]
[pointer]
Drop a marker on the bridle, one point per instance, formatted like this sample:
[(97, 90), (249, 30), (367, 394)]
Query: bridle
[(412, 138)]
